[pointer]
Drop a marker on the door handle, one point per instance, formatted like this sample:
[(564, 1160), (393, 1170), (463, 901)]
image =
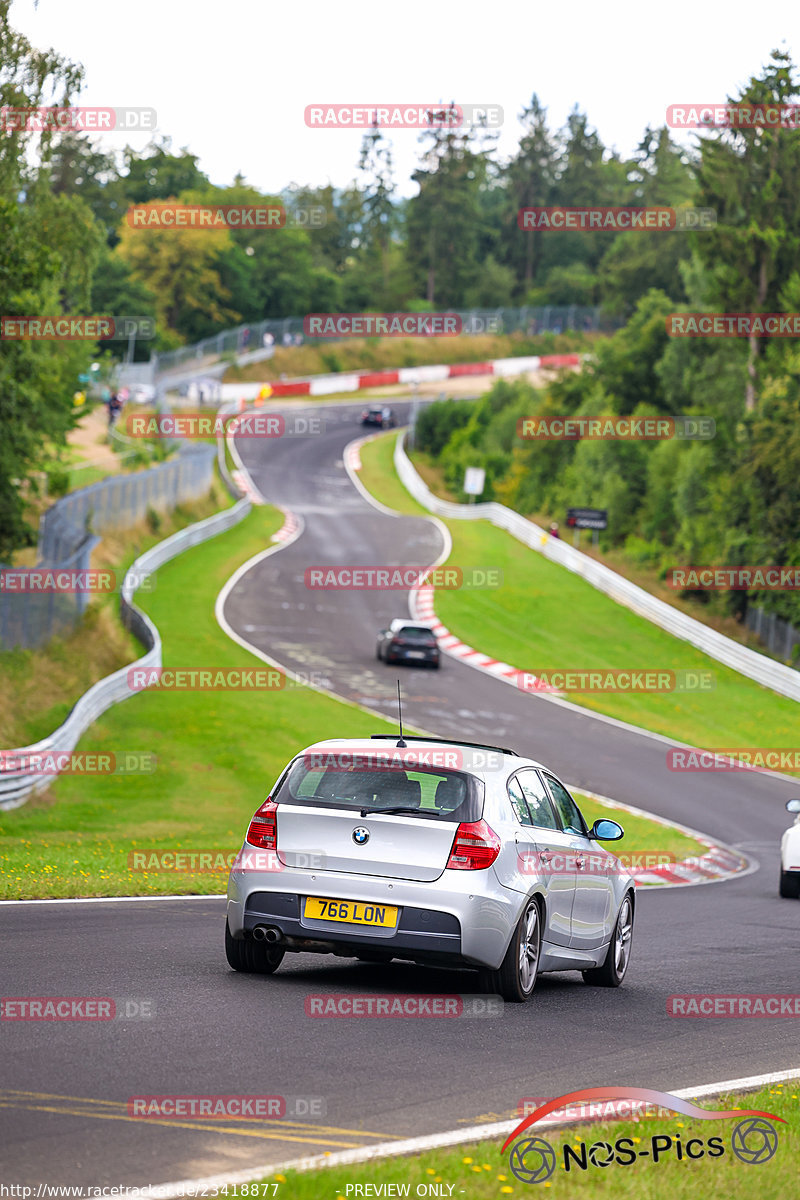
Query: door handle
[(579, 862), (545, 856)]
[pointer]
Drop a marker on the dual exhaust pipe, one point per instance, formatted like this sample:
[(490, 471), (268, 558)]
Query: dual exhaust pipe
[(267, 933)]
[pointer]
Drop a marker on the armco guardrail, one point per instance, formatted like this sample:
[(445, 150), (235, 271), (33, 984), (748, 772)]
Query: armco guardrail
[(15, 790), (290, 331), (774, 675)]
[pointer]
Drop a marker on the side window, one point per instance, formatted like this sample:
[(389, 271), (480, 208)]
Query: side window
[(518, 804), (571, 819), (539, 805)]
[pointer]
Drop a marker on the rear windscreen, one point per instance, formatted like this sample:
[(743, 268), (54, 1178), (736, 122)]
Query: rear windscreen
[(437, 795), (414, 634)]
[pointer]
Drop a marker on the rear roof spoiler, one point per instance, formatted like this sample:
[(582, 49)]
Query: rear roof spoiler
[(412, 737)]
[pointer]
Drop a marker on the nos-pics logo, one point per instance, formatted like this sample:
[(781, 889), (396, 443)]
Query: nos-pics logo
[(533, 1160)]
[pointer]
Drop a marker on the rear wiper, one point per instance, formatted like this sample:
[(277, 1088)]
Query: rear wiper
[(366, 812)]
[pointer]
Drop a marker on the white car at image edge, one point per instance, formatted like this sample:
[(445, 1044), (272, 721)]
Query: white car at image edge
[(789, 886)]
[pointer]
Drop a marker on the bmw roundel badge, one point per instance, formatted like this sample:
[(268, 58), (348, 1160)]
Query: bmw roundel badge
[(360, 835)]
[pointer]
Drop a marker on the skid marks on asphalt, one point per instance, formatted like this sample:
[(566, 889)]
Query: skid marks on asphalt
[(308, 1133)]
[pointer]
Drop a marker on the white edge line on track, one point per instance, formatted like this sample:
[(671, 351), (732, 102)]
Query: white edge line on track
[(435, 1141)]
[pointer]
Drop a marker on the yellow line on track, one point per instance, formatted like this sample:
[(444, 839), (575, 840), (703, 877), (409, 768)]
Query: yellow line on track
[(283, 1129)]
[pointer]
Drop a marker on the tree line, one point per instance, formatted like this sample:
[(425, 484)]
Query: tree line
[(67, 247)]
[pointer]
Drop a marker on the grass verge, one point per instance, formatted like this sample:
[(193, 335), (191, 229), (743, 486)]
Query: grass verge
[(545, 618), (480, 1172), (642, 835), (377, 354), (39, 687)]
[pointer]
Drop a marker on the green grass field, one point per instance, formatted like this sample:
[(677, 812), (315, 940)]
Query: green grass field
[(480, 1172), (545, 618)]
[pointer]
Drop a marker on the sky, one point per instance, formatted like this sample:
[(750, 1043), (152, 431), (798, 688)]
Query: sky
[(231, 79)]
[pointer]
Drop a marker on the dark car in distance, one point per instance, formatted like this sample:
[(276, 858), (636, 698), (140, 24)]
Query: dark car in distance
[(406, 642), (378, 415)]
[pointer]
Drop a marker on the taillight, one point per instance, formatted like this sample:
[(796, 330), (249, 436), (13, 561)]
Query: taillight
[(263, 830), (475, 847)]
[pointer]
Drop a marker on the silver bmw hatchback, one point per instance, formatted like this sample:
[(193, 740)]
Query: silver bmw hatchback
[(438, 852)]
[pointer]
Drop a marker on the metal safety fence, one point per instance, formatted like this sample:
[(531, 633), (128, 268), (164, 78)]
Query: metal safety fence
[(779, 636), (16, 788), (289, 331), (70, 529)]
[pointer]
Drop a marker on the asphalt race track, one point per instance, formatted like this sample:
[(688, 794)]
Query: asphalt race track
[(214, 1032)]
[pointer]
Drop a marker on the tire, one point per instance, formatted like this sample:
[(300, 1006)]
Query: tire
[(435, 666), (789, 886), (515, 978), (254, 958), (378, 653), (612, 972)]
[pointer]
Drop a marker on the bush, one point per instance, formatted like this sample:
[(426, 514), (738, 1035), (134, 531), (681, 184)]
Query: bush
[(57, 481), (641, 552)]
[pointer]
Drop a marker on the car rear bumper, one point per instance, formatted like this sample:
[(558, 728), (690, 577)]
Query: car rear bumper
[(463, 917), (401, 654)]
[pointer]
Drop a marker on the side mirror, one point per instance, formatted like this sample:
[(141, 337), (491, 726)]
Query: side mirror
[(793, 805), (608, 831)]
